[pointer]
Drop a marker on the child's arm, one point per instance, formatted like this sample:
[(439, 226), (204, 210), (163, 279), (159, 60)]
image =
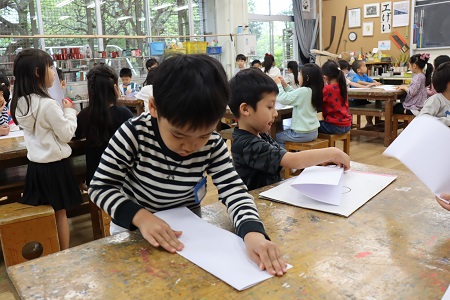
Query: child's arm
[(289, 96), (308, 158), (4, 130), (63, 122), (243, 211), (358, 85)]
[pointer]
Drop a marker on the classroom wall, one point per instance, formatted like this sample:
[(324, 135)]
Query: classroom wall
[(363, 43)]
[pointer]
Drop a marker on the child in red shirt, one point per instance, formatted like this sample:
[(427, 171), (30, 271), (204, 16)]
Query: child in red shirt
[(336, 115)]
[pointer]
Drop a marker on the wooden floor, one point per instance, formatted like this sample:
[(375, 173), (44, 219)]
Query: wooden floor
[(362, 149)]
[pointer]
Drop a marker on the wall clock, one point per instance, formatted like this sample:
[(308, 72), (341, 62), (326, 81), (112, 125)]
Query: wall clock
[(352, 36)]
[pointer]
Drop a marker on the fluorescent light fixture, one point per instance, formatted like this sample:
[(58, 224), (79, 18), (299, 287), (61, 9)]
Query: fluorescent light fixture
[(92, 4), (184, 7), (63, 17), (64, 3), (124, 18), (161, 6)]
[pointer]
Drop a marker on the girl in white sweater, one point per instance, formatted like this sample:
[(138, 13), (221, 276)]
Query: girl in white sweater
[(47, 130)]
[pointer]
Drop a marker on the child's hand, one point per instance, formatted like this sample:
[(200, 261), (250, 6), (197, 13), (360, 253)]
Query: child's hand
[(2, 101), (377, 83), (338, 157), (442, 203), (402, 87), (4, 130), (67, 104), (128, 91), (264, 253), (277, 80), (157, 232)]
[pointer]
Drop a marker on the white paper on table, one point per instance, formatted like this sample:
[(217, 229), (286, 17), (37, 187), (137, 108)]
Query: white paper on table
[(423, 147), (217, 251), (386, 87), (357, 189), (321, 183), (447, 294), (12, 134)]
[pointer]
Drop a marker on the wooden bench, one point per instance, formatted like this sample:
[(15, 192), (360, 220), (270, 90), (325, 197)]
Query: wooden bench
[(376, 110), (333, 138), (395, 125), (23, 226), (100, 221), (296, 146)]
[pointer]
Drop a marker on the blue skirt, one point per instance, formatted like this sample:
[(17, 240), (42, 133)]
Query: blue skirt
[(51, 183)]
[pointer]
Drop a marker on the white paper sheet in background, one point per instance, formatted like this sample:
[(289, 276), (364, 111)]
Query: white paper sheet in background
[(423, 147), (217, 251), (357, 189), (12, 134), (55, 91), (321, 183)]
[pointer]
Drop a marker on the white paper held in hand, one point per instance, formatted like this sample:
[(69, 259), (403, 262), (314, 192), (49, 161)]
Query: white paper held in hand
[(423, 147), (321, 183)]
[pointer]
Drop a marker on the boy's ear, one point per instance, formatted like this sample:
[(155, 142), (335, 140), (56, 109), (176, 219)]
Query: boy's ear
[(152, 107), (244, 109)]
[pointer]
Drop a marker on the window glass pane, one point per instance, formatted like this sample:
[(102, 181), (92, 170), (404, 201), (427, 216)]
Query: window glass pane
[(281, 7), (169, 17), (260, 7)]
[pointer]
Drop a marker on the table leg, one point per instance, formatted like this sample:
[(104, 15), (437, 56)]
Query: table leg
[(388, 111)]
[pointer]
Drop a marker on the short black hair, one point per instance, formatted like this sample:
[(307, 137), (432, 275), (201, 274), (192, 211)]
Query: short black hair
[(200, 97), (241, 57), (344, 65), (125, 72), (249, 86), (440, 60), (256, 61), (357, 64), (441, 77), (4, 87), (151, 62)]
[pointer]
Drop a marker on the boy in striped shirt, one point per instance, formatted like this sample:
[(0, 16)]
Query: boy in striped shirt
[(155, 161)]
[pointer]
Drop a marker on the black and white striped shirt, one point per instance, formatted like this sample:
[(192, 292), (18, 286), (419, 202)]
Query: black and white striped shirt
[(138, 170)]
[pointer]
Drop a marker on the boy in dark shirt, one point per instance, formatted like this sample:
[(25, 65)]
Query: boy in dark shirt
[(257, 157)]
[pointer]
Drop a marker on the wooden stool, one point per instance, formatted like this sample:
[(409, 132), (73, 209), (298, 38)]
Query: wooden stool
[(295, 146), (395, 126), (227, 134), (333, 138), (100, 221), (21, 224)]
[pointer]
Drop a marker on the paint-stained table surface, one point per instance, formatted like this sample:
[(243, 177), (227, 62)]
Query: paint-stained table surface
[(396, 246)]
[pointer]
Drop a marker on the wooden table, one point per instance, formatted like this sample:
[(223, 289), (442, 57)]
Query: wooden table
[(380, 95), (138, 104), (283, 113), (393, 247)]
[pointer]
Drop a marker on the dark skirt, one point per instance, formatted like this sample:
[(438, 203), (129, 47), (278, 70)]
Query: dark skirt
[(51, 183)]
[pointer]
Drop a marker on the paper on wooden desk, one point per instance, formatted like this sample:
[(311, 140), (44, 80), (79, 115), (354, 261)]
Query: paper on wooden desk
[(12, 134), (423, 147), (218, 251), (357, 189), (321, 183)]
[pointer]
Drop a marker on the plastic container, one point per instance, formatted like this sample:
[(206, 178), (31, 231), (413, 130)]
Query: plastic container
[(214, 50), (195, 47), (157, 48), (175, 51)]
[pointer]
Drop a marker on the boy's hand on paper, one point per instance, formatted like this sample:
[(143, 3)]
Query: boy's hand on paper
[(265, 253), (442, 203), (157, 232), (338, 157)]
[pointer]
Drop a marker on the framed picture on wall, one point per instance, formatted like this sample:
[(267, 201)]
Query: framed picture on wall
[(372, 10), (354, 17), (367, 29)]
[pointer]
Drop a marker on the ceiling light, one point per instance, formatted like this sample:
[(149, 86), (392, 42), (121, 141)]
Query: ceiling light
[(124, 18), (161, 6), (64, 3)]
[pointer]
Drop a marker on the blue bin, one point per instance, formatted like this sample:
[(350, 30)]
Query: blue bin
[(157, 48), (214, 50)]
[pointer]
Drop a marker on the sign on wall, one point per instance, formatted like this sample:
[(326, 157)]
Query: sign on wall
[(386, 17)]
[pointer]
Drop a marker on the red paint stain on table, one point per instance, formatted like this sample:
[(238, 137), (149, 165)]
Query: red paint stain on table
[(363, 254)]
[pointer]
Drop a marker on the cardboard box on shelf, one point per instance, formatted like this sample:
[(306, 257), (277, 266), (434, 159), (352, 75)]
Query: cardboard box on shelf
[(323, 56)]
